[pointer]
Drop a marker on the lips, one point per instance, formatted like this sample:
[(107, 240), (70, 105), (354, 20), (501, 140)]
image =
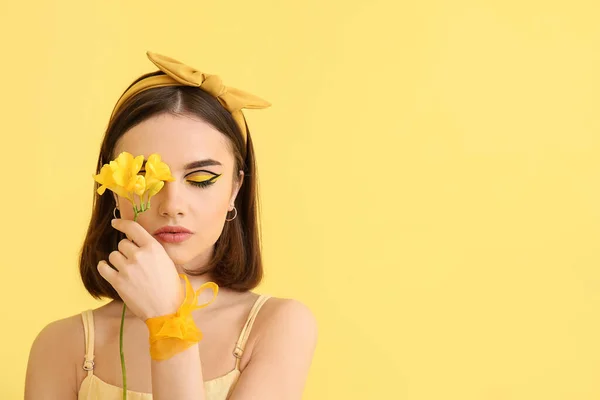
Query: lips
[(171, 229), (172, 234)]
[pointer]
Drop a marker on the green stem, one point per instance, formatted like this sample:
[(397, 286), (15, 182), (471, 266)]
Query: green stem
[(123, 354), (135, 211)]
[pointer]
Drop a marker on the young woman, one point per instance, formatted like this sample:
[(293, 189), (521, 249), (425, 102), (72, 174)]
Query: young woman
[(202, 224)]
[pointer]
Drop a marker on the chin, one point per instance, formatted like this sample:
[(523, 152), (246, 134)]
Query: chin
[(180, 259), (181, 256)]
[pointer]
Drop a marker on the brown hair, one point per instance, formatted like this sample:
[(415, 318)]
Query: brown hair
[(237, 261)]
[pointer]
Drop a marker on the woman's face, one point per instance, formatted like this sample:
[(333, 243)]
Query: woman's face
[(202, 207)]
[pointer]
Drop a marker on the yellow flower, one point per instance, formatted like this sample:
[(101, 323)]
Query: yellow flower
[(106, 180), (157, 173), (125, 173), (121, 176)]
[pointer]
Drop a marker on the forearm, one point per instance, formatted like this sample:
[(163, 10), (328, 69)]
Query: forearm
[(179, 377)]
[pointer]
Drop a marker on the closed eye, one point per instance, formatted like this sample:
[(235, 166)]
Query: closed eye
[(203, 180)]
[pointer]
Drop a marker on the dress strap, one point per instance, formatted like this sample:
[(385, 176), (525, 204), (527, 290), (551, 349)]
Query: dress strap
[(88, 330), (241, 343)]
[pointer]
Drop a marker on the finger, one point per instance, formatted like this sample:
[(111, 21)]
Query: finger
[(127, 248), (133, 230), (118, 260), (107, 272)]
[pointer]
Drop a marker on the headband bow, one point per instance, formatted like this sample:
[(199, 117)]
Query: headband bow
[(179, 74)]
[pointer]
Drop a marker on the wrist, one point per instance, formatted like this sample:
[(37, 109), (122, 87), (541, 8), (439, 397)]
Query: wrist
[(175, 332), (171, 334), (160, 314)]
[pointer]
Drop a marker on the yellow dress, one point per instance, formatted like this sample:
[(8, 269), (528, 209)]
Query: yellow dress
[(94, 388)]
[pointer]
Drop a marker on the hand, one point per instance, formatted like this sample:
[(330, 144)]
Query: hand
[(146, 278)]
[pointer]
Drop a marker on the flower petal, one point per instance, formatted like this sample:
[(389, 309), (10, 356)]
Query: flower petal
[(119, 173), (137, 165), (155, 188), (120, 191), (105, 177), (139, 185), (157, 170)]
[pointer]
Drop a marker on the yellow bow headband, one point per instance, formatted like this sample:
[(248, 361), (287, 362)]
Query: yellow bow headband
[(178, 74)]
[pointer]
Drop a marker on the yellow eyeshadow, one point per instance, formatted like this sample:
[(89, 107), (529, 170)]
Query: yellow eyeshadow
[(203, 178)]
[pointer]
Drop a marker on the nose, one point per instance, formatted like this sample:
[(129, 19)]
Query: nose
[(169, 200)]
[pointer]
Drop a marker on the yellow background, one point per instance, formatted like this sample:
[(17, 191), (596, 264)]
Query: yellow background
[(429, 175)]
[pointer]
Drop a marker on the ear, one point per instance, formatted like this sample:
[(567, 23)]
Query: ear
[(236, 188)]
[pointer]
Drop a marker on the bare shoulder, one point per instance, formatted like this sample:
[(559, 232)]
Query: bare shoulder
[(63, 335), (51, 368), (287, 312), (285, 321), (282, 343)]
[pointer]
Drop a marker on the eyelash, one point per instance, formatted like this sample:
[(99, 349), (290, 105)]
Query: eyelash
[(203, 183)]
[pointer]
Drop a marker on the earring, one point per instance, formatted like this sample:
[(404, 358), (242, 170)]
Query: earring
[(115, 213), (235, 210)]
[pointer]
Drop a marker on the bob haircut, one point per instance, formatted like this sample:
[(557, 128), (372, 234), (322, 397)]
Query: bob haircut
[(237, 261)]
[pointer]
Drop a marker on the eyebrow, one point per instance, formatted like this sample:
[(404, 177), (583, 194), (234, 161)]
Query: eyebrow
[(196, 164), (201, 163)]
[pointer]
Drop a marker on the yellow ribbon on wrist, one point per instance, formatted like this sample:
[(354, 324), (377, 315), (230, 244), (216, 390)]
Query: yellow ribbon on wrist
[(173, 333)]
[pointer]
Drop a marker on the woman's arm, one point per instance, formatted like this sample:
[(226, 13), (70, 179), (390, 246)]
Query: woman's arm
[(282, 354), (179, 377), (51, 373)]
